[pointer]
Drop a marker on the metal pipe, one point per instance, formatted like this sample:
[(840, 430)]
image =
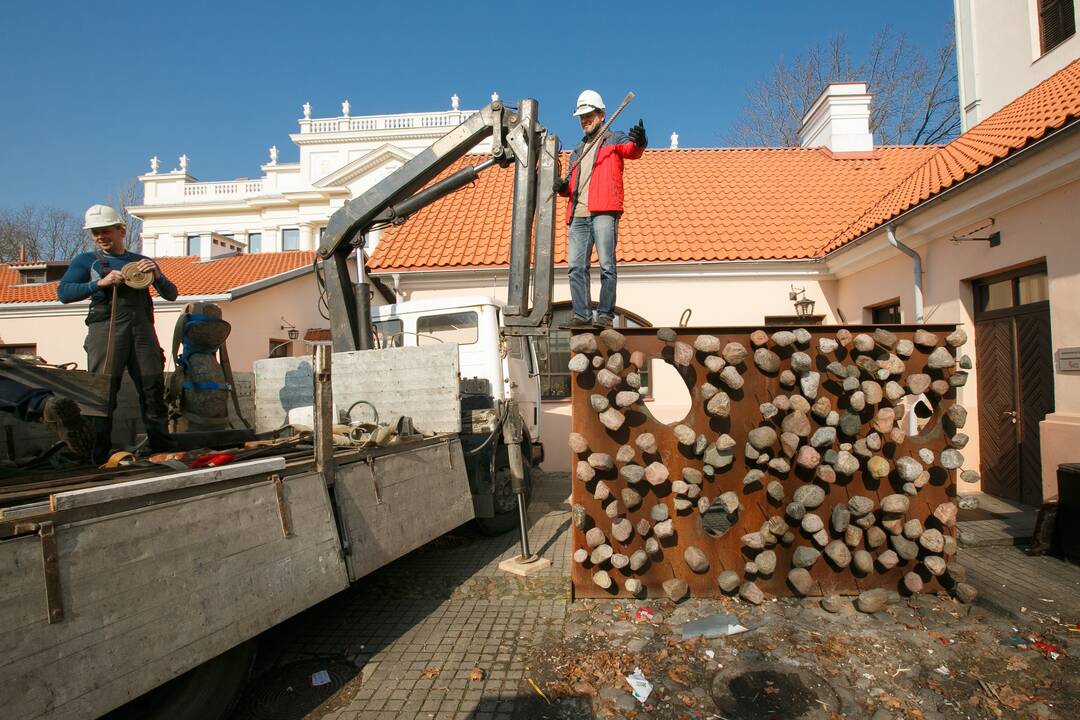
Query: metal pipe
[(916, 261), (430, 194)]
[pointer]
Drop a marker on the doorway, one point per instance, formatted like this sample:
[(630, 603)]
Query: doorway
[(1016, 381)]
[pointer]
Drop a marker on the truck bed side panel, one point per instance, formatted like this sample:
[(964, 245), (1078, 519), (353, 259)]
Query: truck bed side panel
[(150, 593)]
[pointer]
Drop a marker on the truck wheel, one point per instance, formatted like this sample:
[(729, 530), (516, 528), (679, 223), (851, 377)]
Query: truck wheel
[(207, 692), (506, 514)]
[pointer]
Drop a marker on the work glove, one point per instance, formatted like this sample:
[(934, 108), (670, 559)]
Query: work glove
[(561, 184), (637, 134)]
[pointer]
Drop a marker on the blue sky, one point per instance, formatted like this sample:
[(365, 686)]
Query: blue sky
[(92, 90)]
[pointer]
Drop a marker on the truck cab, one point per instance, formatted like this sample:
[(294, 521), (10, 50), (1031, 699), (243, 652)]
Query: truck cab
[(507, 364)]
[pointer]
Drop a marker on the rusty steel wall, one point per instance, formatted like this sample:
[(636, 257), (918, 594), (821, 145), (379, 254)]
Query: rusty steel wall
[(795, 438)]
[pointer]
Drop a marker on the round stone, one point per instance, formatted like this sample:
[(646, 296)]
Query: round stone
[(840, 518), (904, 348), (827, 345), (734, 353), (787, 378), (823, 437), (862, 562), (875, 536), (863, 342), (811, 523), (714, 363), (766, 562), (926, 456), (583, 343), (925, 338), (872, 601), (935, 565), (775, 491), (884, 338), (664, 530), (578, 363), (801, 581), (728, 581), (656, 474), (804, 556), (766, 360), (684, 434), (895, 503), (913, 529), (888, 560), (941, 358), (602, 579), (695, 558), (707, 344), (762, 438), (908, 468), (731, 377), (783, 338), (719, 405), (846, 463), (800, 362), (809, 496), (932, 540), (626, 398), (838, 553), (912, 582), (796, 511), (667, 335), (951, 459), (808, 458), (601, 554), (970, 476), (878, 467), (796, 422), (612, 419), (752, 594), (652, 547), (956, 338), (675, 589), (632, 473), (768, 410), (904, 547), (601, 461), (860, 505)]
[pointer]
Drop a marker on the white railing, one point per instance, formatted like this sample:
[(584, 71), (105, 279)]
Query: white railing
[(223, 190), (403, 121)]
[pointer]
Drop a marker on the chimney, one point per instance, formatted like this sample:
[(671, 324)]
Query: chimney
[(839, 119)]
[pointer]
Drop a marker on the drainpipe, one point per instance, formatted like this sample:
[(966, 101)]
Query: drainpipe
[(916, 262)]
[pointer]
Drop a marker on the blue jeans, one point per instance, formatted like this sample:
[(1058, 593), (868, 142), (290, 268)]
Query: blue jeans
[(601, 230)]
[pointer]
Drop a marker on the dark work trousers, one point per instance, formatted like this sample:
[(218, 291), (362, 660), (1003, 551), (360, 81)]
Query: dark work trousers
[(22, 401), (136, 349)]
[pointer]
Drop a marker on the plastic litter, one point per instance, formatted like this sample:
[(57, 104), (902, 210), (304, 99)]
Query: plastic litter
[(320, 678), (639, 686), (645, 613), (719, 625), (942, 670)]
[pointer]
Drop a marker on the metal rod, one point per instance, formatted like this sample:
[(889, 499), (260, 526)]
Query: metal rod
[(603, 129), (523, 523)]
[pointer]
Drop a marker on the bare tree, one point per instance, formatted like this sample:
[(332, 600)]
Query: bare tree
[(129, 195), (34, 233), (915, 97)]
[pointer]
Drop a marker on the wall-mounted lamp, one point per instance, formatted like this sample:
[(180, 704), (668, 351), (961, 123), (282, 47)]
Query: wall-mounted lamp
[(292, 331), (804, 307)]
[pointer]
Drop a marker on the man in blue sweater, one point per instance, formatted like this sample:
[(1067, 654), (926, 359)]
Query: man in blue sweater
[(97, 275)]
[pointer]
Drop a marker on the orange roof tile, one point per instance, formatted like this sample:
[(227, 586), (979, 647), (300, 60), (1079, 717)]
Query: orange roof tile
[(1048, 106), (681, 205), (191, 276), (737, 204)]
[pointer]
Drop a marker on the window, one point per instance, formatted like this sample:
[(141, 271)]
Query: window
[(193, 245), (460, 328), (388, 333), (279, 347), (1013, 289), (1057, 23), (31, 277), (321, 231), (20, 349), (886, 314), (555, 353), (290, 239), (254, 242)]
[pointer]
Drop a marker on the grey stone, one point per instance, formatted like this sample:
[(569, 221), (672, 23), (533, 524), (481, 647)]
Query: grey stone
[(872, 392), (802, 336), (731, 377), (787, 378), (696, 559), (826, 474), (601, 554), (884, 338), (707, 344), (580, 517), (832, 603), (895, 504), (862, 562), (837, 370), (734, 353), (714, 363), (638, 560), (652, 547), (728, 581), (766, 360), (872, 601), (850, 424), (766, 562), (684, 434), (970, 476), (843, 336), (888, 560), (762, 438), (626, 398), (622, 529), (808, 458), (811, 523), (863, 342), (908, 468), (827, 345), (682, 504), (775, 490), (646, 442), (658, 512), (729, 501), (615, 363), (752, 477), (804, 556), (667, 335), (632, 473), (913, 528), (601, 461), (633, 380), (810, 382), (692, 475), (683, 354), (912, 582), (823, 436), (839, 553), (718, 458), (951, 459), (578, 363), (878, 467), (768, 410), (925, 338), (958, 379), (700, 443), (941, 358), (830, 456), (796, 511), (867, 365), (800, 362), (875, 536), (840, 518), (779, 464), (800, 580), (676, 589), (926, 456), (851, 384), (631, 498), (860, 505), (664, 530), (752, 594), (846, 463), (873, 441), (719, 405), (918, 383), (783, 338), (612, 419), (956, 338), (909, 488), (624, 454), (965, 593), (832, 419), (957, 415), (904, 547), (809, 496), (965, 362)]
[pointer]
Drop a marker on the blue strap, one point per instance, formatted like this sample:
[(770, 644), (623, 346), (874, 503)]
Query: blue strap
[(192, 385)]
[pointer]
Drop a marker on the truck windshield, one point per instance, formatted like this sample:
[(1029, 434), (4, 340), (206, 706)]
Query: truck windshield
[(459, 327)]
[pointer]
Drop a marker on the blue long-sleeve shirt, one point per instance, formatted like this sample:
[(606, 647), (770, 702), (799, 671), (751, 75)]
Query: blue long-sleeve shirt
[(81, 279)]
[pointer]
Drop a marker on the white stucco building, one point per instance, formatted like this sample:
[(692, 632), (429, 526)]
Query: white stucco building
[(288, 207)]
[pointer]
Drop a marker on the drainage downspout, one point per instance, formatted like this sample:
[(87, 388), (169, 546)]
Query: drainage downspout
[(916, 261)]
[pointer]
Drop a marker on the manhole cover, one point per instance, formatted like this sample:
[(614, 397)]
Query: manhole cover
[(768, 693), (290, 693)]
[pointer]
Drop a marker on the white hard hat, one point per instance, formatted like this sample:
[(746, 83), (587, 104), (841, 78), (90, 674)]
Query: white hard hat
[(99, 216), (588, 101)]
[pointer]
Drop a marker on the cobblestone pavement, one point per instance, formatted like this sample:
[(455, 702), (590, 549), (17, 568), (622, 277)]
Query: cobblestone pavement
[(442, 633)]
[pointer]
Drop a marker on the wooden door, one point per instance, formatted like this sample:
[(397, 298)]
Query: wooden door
[(1016, 391)]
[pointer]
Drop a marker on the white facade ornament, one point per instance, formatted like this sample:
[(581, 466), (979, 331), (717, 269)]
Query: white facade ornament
[(674, 141), (154, 165), (273, 154), (183, 163), (307, 111), (345, 109), (454, 100), (494, 97)]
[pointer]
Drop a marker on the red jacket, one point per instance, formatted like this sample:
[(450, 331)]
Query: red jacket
[(605, 185)]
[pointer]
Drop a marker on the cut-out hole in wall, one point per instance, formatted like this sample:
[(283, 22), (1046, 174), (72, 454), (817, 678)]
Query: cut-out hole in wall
[(716, 521), (670, 399), (918, 412)]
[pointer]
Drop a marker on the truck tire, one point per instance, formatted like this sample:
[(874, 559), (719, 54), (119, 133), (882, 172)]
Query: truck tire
[(506, 514), (207, 692)]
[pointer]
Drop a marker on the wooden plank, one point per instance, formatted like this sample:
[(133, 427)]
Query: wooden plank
[(402, 501), (164, 483), (153, 592), (21, 511)]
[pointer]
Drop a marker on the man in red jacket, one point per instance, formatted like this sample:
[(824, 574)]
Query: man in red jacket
[(595, 189)]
